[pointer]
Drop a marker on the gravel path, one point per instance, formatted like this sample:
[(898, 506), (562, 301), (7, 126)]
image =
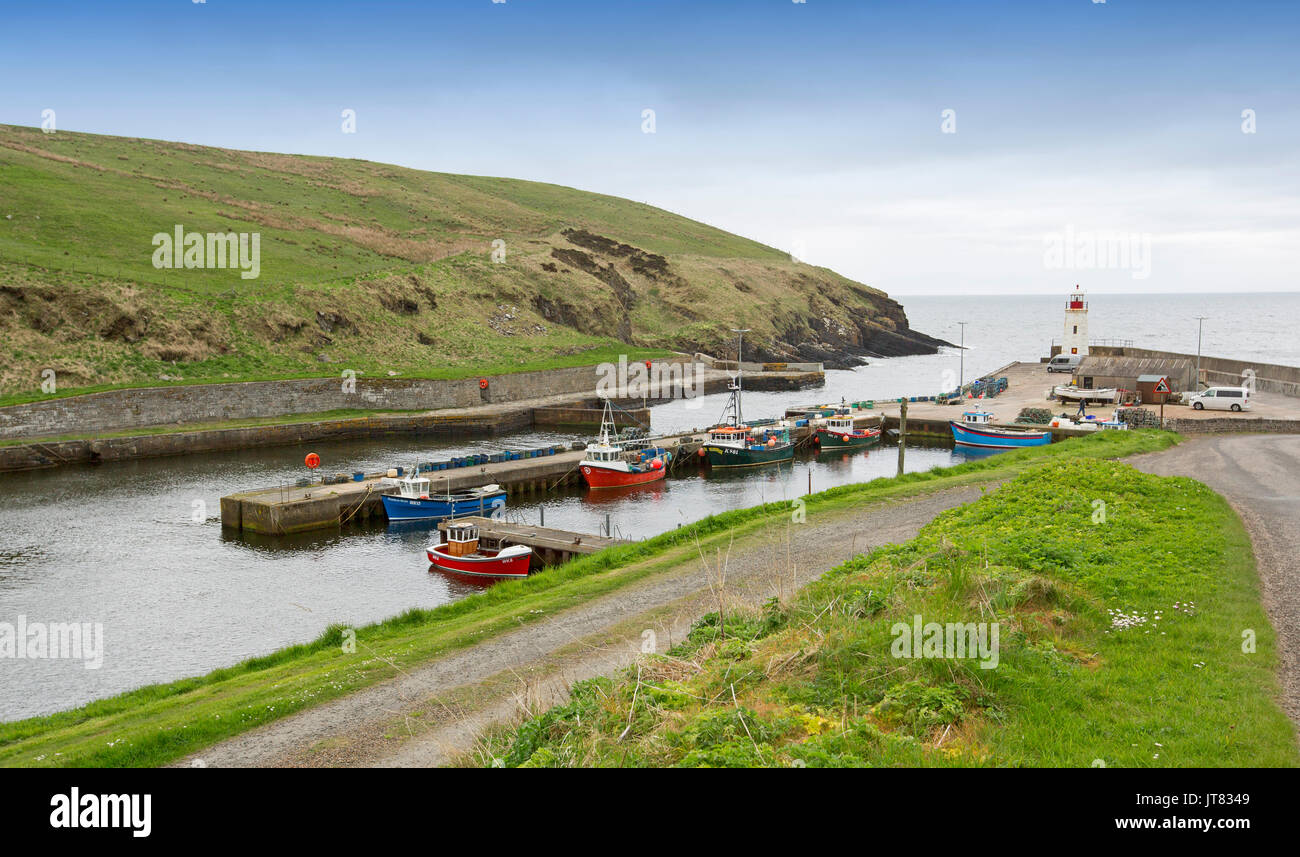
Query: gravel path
[(1260, 476), (429, 714)]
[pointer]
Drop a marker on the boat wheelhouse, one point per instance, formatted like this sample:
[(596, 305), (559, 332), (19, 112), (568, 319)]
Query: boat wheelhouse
[(462, 553), (414, 502), (976, 429), (838, 432), (611, 463)]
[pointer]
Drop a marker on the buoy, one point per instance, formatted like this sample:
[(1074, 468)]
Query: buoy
[(771, 441), (312, 460), (656, 465), (482, 383), (701, 452)]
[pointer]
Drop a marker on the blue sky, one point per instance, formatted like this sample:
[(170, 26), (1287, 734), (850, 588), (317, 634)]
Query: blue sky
[(815, 127)]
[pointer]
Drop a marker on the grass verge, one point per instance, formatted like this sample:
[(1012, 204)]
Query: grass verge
[(1130, 634), (160, 723)]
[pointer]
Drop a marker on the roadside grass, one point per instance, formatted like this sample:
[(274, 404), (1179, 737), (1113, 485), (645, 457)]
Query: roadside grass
[(157, 724), (1121, 599)]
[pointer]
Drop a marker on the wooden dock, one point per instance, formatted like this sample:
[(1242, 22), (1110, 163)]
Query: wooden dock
[(550, 546)]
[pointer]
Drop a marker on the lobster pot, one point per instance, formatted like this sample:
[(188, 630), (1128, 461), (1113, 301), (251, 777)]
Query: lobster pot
[(462, 539)]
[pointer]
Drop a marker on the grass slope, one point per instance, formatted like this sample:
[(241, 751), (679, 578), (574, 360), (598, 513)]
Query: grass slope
[(159, 723), (1121, 644), (364, 266)]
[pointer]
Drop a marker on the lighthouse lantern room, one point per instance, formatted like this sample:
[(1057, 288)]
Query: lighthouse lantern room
[(1075, 340)]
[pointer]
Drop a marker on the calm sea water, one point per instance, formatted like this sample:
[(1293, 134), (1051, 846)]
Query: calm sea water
[(117, 544)]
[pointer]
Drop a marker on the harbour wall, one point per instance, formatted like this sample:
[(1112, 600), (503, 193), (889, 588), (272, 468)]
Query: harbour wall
[(145, 407), (1219, 371), (582, 411)]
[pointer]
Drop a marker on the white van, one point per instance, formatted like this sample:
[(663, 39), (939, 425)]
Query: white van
[(1221, 399), (1064, 363)]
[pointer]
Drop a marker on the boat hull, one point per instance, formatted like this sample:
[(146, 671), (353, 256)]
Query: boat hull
[(516, 565), (726, 456), (827, 439), (998, 438), (604, 477), (437, 508)]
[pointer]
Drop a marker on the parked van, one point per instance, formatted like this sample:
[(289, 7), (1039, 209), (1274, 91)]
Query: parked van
[(1222, 399), (1064, 363)]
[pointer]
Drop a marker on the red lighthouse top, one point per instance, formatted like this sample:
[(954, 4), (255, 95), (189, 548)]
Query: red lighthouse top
[(1076, 300)]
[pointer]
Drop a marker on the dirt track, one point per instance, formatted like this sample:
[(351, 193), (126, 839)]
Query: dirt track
[(429, 715), (1260, 476)]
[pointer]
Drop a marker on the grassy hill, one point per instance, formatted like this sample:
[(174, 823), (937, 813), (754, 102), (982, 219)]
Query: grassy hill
[(376, 268)]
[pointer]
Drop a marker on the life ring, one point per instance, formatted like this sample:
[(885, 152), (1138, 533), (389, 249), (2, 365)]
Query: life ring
[(482, 383), (312, 460)]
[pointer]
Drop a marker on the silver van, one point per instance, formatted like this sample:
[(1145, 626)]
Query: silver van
[(1064, 363), (1222, 399)]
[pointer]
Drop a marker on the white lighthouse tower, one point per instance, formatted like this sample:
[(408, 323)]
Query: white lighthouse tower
[(1075, 340)]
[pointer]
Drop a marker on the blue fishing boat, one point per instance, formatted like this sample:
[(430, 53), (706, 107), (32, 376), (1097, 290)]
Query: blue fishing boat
[(414, 502), (976, 429)]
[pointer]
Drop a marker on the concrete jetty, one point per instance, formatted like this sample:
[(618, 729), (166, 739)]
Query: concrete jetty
[(287, 509)]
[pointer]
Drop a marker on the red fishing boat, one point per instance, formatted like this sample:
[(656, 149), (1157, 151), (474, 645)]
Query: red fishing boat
[(462, 554), (611, 463)]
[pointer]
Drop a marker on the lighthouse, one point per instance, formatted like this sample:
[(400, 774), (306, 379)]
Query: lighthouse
[(1075, 340)]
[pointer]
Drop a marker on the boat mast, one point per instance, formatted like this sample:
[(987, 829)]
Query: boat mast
[(740, 340)]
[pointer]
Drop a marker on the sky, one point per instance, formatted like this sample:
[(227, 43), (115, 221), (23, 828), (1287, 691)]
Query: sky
[(919, 146)]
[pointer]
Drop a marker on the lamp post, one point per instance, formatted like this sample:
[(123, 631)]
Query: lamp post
[(1200, 324), (961, 371)]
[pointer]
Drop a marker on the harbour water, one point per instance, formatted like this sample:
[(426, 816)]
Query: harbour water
[(138, 546)]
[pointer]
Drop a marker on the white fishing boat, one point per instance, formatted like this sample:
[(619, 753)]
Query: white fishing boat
[(1072, 393)]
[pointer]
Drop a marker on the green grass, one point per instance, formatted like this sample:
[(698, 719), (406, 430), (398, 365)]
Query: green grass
[(402, 255), (159, 723), (818, 683)]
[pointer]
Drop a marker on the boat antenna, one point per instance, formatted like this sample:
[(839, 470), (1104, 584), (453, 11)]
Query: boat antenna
[(740, 344)]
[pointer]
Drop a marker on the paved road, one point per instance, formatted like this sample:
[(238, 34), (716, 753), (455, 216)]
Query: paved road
[(1260, 476)]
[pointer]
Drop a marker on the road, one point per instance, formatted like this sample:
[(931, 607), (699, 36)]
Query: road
[(1259, 474)]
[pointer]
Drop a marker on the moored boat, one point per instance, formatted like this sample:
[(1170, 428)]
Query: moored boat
[(413, 501), (611, 463), (1072, 393), (976, 429), (840, 433), (461, 553), (732, 443)]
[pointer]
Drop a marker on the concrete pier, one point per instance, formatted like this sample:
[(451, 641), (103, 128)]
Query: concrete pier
[(287, 509)]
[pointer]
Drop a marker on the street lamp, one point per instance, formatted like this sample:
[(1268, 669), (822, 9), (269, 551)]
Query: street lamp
[(961, 372), (1200, 323)]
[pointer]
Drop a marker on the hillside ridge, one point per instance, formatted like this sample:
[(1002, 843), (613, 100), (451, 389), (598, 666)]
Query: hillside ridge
[(377, 268)]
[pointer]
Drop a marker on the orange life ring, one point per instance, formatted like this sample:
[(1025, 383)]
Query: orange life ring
[(312, 460), (482, 383)]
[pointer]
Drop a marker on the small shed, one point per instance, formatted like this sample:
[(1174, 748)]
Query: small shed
[(1095, 373)]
